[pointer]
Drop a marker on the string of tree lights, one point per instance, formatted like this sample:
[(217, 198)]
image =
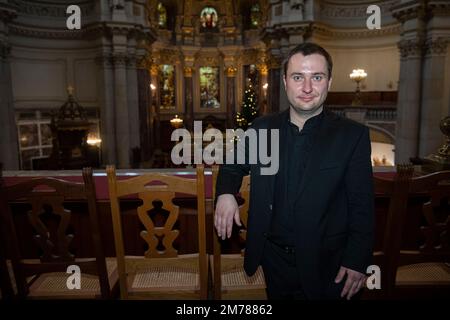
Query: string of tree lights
[(249, 108)]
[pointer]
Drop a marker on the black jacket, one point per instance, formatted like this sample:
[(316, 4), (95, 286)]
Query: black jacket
[(335, 204)]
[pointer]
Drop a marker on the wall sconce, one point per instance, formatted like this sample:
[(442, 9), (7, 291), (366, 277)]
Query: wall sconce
[(357, 75), (152, 87), (176, 122)]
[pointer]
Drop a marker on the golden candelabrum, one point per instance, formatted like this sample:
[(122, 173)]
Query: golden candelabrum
[(176, 122), (357, 75)]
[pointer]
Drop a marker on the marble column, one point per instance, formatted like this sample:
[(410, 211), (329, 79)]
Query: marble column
[(433, 95), (188, 94), (411, 46), (8, 130), (408, 103), (133, 109), (231, 89), (9, 145), (145, 123), (107, 110), (122, 116), (436, 77), (155, 106)]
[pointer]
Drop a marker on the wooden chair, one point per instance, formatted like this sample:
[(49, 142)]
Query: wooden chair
[(396, 191), (229, 278), (47, 276), (161, 273), (424, 269), (6, 281)]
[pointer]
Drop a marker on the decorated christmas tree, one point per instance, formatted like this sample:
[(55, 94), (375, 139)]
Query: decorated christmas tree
[(249, 108)]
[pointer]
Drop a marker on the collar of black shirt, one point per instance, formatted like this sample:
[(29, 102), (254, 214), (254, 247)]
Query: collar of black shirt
[(309, 125)]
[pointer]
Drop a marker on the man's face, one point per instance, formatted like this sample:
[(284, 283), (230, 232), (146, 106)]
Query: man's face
[(307, 82)]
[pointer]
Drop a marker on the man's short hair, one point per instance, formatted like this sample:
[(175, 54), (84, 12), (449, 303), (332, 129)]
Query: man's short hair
[(307, 49)]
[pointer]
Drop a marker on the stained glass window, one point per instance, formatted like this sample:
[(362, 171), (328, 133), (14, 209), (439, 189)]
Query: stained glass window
[(209, 87), (162, 16), (167, 86), (254, 15), (209, 18)]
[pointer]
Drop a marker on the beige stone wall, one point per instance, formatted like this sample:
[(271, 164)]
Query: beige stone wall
[(40, 77), (382, 65)]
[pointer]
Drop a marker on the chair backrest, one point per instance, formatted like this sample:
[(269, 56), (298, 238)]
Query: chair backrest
[(5, 280), (243, 212), (396, 190), (50, 196), (244, 191), (149, 189), (430, 225)]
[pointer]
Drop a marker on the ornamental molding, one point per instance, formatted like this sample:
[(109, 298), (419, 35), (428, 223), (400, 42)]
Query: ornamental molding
[(90, 31), (409, 10), (120, 59), (263, 69), (436, 46), (208, 59), (274, 62), (303, 30), (45, 33), (411, 48), (144, 62), (327, 31), (289, 28), (248, 56), (154, 69), (169, 56), (439, 8), (47, 9), (131, 61), (359, 11), (7, 12)]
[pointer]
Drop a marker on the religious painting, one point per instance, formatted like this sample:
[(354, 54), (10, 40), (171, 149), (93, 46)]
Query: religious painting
[(167, 86), (208, 18), (209, 87)]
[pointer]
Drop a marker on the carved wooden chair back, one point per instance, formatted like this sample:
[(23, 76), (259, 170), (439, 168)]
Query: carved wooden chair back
[(50, 219), (161, 272), (423, 265), (229, 278), (396, 190)]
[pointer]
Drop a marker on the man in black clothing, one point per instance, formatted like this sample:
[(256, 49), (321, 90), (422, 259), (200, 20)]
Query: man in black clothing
[(310, 225)]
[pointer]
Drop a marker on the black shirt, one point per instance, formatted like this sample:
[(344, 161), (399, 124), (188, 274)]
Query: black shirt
[(293, 161)]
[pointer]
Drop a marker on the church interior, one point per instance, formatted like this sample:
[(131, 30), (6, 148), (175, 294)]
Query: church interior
[(88, 87)]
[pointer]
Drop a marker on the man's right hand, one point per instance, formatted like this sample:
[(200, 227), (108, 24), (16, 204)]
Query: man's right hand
[(226, 209)]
